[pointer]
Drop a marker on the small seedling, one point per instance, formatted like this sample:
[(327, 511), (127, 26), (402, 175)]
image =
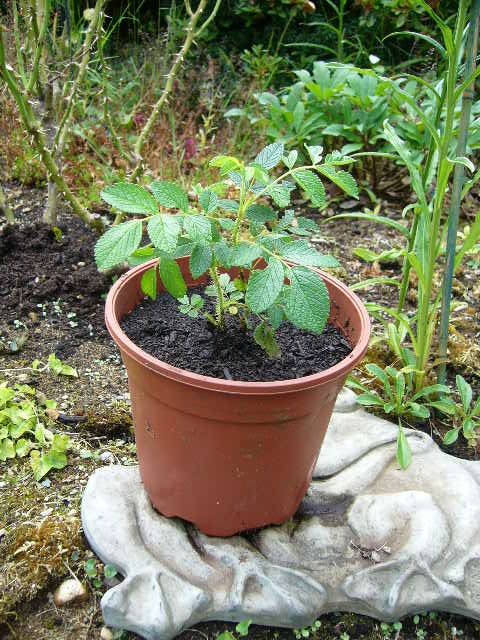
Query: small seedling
[(25, 418), (92, 572)]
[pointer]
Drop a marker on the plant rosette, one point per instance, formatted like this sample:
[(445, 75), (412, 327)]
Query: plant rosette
[(230, 455)]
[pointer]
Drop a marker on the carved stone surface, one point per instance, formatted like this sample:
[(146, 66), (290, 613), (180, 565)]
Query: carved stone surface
[(368, 538)]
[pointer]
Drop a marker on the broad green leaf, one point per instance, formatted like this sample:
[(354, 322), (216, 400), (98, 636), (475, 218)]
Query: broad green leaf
[(172, 278), (148, 283), (269, 157), (265, 338), (142, 255), (226, 164), (129, 198), (6, 394), (264, 286), (302, 253), (431, 390), (451, 436), (208, 201), (307, 303), (226, 223), (418, 410), (244, 254), (368, 399), (315, 153), (198, 228), (404, 453), (41, 465), (259, 214), (312, 185), (109, 571), (117, 244), (170, 195), (344, 180), (228, 205), (200, 260), (22, 447), (280, 195), (223, 253), (7, 449), (445, 406), (163, 231), (243, 627), (291, 159), (465, 391)]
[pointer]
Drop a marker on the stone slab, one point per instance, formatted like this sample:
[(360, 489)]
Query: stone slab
[(368, 538)]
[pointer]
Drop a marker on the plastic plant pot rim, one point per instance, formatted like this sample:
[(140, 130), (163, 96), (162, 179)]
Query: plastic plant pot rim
[(340, 370)]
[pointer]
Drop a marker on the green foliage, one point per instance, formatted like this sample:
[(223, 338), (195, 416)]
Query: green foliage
[(241, 231), (25, 418), (93, 573), (393, 392), (466, 414)]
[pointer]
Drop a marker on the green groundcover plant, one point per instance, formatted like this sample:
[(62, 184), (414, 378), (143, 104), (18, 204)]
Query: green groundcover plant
[(233, 225)]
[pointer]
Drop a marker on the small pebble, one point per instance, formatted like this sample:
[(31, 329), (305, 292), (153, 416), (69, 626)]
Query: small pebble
[(106, 634), (106, 457), (70, 592)]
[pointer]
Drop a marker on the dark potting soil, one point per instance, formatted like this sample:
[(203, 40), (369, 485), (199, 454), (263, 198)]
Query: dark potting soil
[(193, 344), (38, 267)]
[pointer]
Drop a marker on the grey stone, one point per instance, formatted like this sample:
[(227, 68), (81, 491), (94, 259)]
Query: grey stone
[(368, 538)]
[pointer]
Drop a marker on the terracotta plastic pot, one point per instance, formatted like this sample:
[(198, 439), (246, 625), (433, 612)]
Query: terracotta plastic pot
[(223, 454)]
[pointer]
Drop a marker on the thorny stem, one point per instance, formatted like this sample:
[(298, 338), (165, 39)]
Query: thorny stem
[(191, 33), (220, 297)]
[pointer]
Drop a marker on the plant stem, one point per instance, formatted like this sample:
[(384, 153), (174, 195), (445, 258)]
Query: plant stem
[(220, 297), (458, 179), (191, 33), (427, 312)]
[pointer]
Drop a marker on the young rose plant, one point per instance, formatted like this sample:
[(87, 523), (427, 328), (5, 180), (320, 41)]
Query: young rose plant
[(221, 231)]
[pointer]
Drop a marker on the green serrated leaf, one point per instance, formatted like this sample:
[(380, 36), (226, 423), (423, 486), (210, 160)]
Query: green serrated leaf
[(264, 286), (244, 254), (163, 231), (223, 254), (269, 157), (172, 278), (200, 260), (198, 228), (291, 159), (259, 214), (312, 185), (130, 198), (170, 195), (307, 304), (342, 179), (148, 283), (226, 164), (302, 253), (208, 201), (117, 244), (280, 195)]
